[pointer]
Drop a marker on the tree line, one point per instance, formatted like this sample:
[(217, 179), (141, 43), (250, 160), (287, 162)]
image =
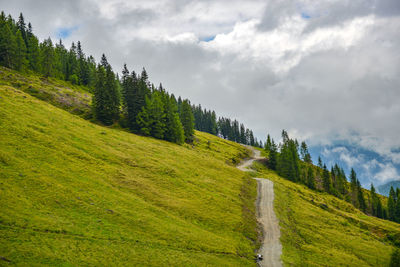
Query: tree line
[(20, 50), (206, 121), (293, 162), (131, 100)]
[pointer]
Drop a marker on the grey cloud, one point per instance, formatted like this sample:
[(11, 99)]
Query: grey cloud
[(326, 13)]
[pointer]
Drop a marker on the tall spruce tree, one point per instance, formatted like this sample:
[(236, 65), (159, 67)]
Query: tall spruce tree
[(310, 178), (151, 120), (20, 62), (8, 44), (187, 120), (288, 160), (22, 28), (305, 155), (47, 57), (354, 189), (33, 52), (361, 199), (326, 179), (174, 129), (273, 156), (106, 97), (391, 204)]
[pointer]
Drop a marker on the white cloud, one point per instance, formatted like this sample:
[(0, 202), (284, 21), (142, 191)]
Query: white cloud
[(388, 172)]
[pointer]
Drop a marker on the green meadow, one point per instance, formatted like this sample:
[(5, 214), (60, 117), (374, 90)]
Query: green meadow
[(76, 193)]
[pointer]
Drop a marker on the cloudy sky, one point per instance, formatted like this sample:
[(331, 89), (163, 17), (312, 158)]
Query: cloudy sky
[(326, 71)]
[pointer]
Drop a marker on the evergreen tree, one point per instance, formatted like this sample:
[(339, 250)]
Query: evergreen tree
[(47, 57), (20, 61), (288, 160), (8, 44), (114, 94), (320, 162), (174, 129), (33, 53), (72, 64), (251, 138), (374, 203), (354, 189), (151, 119), (310, 178), (391, 204), (273, 156), (326, 180), (187, 120), (106, 97), (22, 29), (242, 138), (268, 144), (61, 58), (83, 68), (361, 199), (305, 155)]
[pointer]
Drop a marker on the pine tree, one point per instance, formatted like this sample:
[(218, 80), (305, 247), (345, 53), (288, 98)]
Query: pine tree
[(8, 44), (106, 97), (268, 144), (20, 62), (187, 120), (320, 162), (273, 156), (391, 204), (72, 65), (251, 138), (326, 180), (113, 93), (22, 28), (242, 134), (288, 160), (83, 68), (47, 57), (354, 189), (374, 202), (361, 199), (33, 53), (310, 178), (305, 155), (151, 119), (174, 129)]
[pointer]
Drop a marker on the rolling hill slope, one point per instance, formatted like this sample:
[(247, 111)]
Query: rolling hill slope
[(73, 192)]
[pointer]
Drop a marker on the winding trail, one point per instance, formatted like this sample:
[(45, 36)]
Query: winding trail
[(271, 248)]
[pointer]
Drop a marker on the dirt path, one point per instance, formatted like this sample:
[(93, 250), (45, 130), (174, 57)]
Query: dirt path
[(271, 248)]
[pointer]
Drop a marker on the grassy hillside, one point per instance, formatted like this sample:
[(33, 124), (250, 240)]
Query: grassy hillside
[(318, 229), (75, 193), (62, 94)]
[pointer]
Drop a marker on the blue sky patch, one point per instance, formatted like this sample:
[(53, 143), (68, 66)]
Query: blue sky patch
[(208, 38), (65, 32), (304, 15)]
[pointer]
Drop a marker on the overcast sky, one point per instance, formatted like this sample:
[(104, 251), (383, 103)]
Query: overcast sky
[(326, 71)]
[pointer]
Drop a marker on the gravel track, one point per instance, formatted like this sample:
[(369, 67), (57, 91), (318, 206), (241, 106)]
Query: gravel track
[(271, 248)]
